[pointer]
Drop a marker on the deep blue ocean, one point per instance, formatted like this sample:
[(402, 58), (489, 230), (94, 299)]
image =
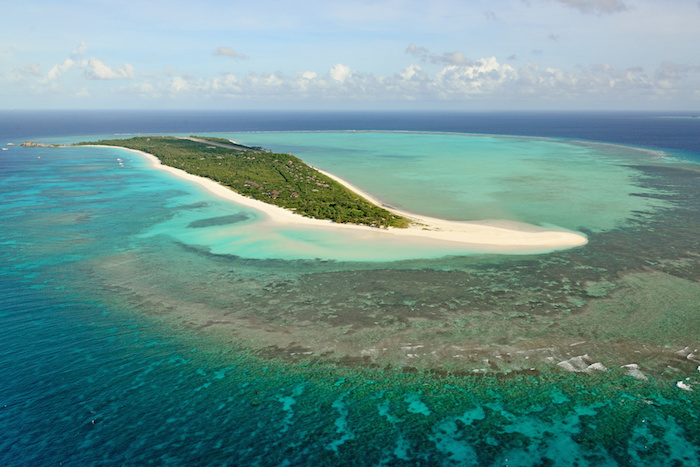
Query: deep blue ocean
[(119, 346), (653, 129)]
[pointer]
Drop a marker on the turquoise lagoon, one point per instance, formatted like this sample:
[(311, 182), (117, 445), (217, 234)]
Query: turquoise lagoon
[(575, 185), (547, 183), (146, 321)]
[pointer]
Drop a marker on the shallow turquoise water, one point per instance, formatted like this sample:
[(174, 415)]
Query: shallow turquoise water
[(130, 336), (574, 185)]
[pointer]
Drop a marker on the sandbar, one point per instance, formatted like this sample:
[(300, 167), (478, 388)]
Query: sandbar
[(486, 236)]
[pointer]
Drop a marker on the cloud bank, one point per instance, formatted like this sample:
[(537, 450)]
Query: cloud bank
[(485, 79), (449, 78)]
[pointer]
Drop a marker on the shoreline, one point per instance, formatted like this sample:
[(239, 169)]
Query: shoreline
[(483, 236), (439, 228)]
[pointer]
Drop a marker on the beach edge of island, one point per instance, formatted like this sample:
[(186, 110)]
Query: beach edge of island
[(507, 237)]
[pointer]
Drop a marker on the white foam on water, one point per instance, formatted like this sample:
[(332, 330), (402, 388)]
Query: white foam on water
[(684, 386), (581, 364), (633, 370)]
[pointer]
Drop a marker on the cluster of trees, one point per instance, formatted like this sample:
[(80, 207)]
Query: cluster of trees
[(280, 179)]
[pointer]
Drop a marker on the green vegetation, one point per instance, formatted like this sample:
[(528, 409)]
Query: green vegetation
[(279, 179)]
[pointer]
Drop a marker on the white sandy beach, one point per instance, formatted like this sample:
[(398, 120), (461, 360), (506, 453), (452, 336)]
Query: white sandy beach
[(490, 236)]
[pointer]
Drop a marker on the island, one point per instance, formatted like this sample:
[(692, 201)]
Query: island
[(279, 179), (291, 192)]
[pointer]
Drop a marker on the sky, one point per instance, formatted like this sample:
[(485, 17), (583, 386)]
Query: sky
[(351, 55)]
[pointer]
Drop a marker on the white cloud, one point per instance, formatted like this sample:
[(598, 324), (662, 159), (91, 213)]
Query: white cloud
[(179, 84), (94, 69), (484, 76), (229, 52), (146, 89), (229, 86), (58, 70), (595, 6), (339, 72), (410, 71), (98, 70)]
